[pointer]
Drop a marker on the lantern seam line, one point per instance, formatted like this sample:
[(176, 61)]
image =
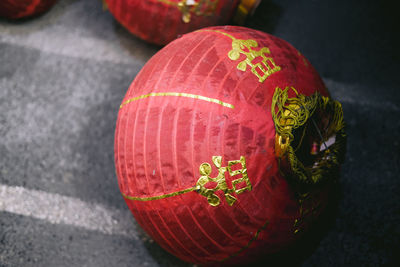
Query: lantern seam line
[(199, 97)]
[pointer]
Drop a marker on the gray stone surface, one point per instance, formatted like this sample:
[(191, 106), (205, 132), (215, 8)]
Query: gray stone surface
[(64, 74)]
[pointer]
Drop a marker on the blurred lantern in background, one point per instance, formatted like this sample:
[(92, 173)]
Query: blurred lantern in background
[(161, 21), (226, 145), (16, 9)]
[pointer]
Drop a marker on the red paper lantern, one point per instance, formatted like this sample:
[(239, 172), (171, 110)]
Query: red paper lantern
[(226, 145), (16, 9), (161, 21)]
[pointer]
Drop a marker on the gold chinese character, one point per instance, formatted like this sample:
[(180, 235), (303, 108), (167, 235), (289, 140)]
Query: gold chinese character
[(243, 172), (199, 8), (209, 193), (265, 65), (261, 65)]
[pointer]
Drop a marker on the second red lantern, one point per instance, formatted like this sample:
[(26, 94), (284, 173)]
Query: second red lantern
[(161, 21), (16, 9)]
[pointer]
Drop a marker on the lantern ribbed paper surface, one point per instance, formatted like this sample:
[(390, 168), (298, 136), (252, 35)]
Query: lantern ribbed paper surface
[(226, 144), (15, 9), (161, 21)]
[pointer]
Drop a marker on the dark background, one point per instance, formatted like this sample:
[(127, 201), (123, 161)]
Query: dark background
[(64, 74)]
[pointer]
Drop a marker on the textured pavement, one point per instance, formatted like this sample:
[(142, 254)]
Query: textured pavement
[(64, 74)]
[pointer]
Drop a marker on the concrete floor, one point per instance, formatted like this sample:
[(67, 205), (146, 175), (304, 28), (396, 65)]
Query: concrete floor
[(64, 74)]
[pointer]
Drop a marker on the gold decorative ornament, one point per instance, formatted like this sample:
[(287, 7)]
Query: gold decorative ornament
[(261, 65), (300, 116), (189, 7), (239, 185), (205, 171), (173, 194), (199, 97)]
